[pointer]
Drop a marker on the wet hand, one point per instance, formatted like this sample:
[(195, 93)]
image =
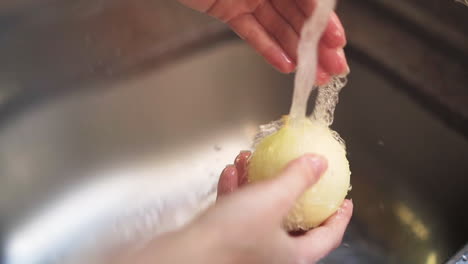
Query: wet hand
[(253, 214), (272, 28), (245, 224)]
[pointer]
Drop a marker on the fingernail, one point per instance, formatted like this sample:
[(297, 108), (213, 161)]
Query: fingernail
[(347, 71), (340, 53), (281, 61), (286, 58), (242, 155), (343, 62), (342, 207), (317, 164), (290, 64), (347, 203), (336, 36)]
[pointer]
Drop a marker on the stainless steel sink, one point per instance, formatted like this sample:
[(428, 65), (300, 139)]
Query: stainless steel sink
[(107, 153), (117, 160)]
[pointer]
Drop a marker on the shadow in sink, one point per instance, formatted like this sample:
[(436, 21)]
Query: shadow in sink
[(188, 119)]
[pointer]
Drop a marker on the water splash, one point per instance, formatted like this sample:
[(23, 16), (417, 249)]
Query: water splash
[(327, 99)]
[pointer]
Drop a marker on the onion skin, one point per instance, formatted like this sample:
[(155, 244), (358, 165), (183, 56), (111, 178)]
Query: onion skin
[(291, 141)]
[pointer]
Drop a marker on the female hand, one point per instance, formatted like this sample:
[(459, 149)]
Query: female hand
[(272, 28), (245, 225)]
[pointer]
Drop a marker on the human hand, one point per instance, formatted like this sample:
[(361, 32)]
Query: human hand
[(272, 28), (317, 242), (245, 225)]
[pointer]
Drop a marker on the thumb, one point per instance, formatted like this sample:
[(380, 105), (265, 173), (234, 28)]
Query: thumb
[(280, 193)]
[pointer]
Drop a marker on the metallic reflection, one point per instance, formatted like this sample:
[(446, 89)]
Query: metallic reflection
[(432, 258), (161, 136), (408, 217)]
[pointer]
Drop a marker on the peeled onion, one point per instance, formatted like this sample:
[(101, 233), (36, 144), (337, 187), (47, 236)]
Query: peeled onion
[(291, 141)]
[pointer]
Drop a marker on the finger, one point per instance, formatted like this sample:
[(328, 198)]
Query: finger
[(334, 35), (279, 28), (249, 29), (280, 194), (322, 77), (333, 61), (291, 13), (228, 181), (320, 241), (241, 166)]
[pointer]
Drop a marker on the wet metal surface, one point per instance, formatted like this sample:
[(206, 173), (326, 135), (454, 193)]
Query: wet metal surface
[(186, 121), (140, 125)]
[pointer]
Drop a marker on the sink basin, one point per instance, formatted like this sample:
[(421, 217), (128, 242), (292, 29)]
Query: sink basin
[(126, 159)]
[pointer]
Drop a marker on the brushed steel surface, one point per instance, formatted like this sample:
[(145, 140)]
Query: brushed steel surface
[(109, 166), (141, 126)]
